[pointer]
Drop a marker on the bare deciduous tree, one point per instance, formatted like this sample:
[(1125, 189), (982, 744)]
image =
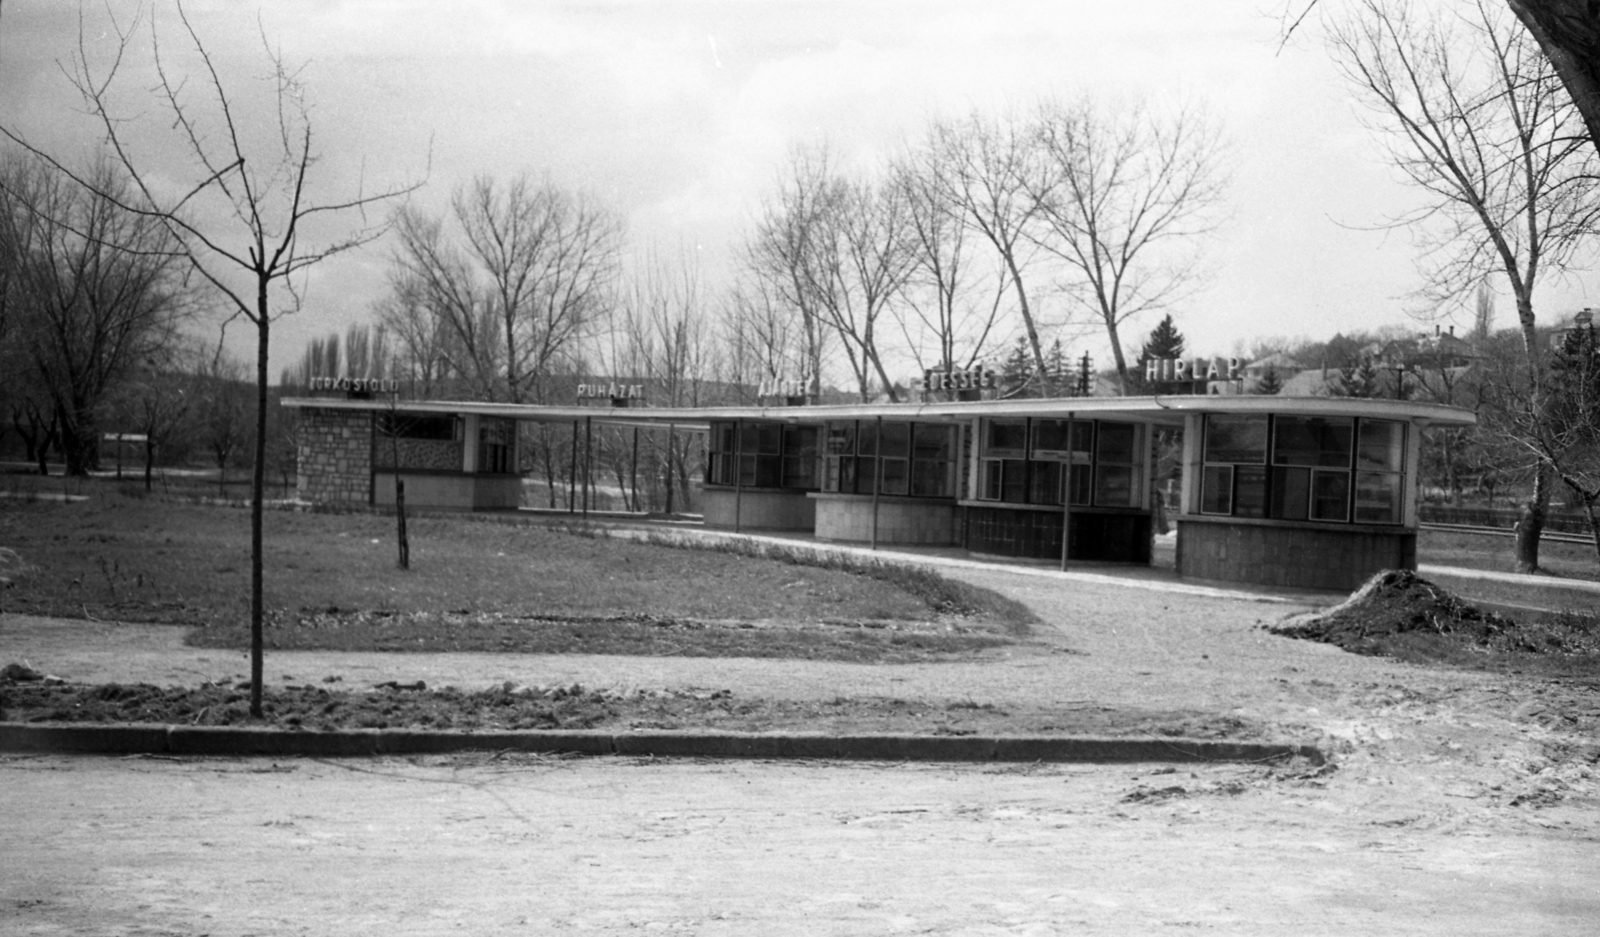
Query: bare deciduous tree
[(224, 412), (1124, 198), (524, 274), (782, 253), (1475, 116), (157, 401), (944, 292), (235, 195), (989, 172), (422, 346), (661, 333), (838, 250), (764, 336), (97, 290)]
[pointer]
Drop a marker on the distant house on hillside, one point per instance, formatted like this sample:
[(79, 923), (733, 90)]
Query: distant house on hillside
[(1423, 367), (1281, 363)]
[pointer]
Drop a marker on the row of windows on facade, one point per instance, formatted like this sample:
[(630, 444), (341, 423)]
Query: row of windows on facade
[(846, 456), (1334, 469), (1021, 460)]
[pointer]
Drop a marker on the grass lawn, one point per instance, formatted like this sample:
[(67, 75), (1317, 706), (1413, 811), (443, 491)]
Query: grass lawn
[(1496, 552), (477, 585)]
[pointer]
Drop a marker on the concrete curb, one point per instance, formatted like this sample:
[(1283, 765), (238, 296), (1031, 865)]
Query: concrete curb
[(126, 739)]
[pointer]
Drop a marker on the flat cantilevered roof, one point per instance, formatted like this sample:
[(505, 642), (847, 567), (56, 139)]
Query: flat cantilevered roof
[(1162, 409)]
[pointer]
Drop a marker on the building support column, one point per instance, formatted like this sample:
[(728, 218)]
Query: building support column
[(738, 474), (588, 461), (572, 478), (633, 474), (671, 445), (471, 426), (1066, 495), (877, 484)]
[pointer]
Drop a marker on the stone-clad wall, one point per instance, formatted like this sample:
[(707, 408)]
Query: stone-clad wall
[(335, 457)]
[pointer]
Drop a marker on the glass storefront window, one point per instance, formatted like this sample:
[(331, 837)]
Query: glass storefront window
[(1377, 498), (1291, 493), (1382, 447), (1118, 467), (1107, 462), (762, 455), (842, 438), (1006, 438), (896, 440), (933, 453), (799, 457), (1330, 496), (1312, 476), (1236, 439), (1045, 487), (496, 446), (1050, 438), (912, 458), (1116, 444), (1250, 491), (1216, 489), (1318, 441), (1113, 485)]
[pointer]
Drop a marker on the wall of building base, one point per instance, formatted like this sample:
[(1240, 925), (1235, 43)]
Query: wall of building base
[(1291, 556), (759, 509), (922, 521), (451, 491), (1098, 535)]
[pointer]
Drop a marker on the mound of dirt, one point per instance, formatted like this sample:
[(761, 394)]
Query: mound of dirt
[(1398, 613)]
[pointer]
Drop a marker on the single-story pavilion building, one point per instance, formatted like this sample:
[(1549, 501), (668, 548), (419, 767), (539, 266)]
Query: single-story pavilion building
[(1302, 492)]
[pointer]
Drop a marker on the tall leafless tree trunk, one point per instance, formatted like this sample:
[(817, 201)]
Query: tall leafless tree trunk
[(1474, 115)]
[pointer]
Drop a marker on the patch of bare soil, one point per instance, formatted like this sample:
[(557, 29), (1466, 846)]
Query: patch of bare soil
[(1399, 614), (26, 696), (877, 641)]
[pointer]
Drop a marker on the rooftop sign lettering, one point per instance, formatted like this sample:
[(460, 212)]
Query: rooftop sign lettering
[(976, 377), (619, 394), (783, 387), (357, 385), (1173, 370)]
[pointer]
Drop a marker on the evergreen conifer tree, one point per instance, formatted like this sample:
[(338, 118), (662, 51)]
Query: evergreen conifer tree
[(1270, 383), (1165, 343), (1016, 372), (1059, 372), (1359, 379)]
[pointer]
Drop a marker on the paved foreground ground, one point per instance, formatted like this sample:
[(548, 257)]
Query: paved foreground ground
[(1457, 803), (492, 846)]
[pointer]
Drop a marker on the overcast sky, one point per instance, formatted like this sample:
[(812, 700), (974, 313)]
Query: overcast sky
[(679, 115)]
